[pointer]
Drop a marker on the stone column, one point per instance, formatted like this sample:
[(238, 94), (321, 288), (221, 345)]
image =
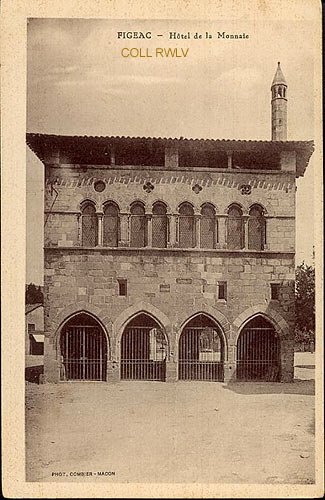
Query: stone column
[(223, 232), (229, 159), (287, 360), (79, 229), (171, 363), (113, 371), (172, 221), (171, 154), (51, 363), (149, 230), (171, 371), (216, 233), (230, 365), (112, 158), (245, 229), (100, 229), (124, 230), (197, 222)]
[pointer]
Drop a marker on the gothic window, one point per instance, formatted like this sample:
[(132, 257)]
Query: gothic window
[(186, 226), (235, 228), (111, 225), (256, 228), (138, 226), (89, 225), (159, 225), (208, 226)]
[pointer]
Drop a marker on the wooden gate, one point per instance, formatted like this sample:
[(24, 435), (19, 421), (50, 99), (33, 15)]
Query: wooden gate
[(258, 352), (83, 350), (201, 351), (143, 350)]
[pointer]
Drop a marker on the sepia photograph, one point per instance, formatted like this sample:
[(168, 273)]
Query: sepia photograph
[(170, 251)]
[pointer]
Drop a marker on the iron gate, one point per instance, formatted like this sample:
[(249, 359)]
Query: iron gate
[(84, 353), (201, 354), (143, 353), (258, 353)]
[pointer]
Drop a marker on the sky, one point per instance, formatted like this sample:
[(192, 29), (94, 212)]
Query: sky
[(79, 84)]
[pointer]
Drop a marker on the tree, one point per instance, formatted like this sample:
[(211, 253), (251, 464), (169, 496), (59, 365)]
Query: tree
[(33, 294), (305, 303)]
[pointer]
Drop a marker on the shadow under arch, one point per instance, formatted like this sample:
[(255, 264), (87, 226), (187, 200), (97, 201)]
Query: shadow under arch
[(258, 351), (202, 349), (83, 348), (217, 317), (79, 308), (139, 308), (144, 349), (264, 310)]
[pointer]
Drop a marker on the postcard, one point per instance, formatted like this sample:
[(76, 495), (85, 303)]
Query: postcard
[(162, 222)]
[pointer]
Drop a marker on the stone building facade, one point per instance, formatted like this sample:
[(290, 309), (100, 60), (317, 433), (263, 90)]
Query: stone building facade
[(169, 259)]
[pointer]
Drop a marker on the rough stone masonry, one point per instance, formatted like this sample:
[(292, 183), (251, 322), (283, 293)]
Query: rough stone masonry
[(176, 231)]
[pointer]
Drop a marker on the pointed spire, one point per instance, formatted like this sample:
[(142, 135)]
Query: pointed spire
[(279, 77)]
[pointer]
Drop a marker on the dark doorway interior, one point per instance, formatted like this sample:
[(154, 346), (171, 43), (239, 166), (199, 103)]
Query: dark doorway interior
[(258, 352)]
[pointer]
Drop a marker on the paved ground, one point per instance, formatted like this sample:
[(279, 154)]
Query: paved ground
[(182, 432)]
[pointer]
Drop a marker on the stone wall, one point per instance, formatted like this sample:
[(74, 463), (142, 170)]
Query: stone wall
[(176, 283), (274, 191), (170, 284)]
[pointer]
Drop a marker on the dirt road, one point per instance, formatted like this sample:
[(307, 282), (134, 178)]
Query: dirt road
[(175, 432)]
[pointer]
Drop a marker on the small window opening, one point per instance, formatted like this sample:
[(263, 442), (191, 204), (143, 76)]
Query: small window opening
[(31, 327), (275, 291), (122, 287), (222, 290)]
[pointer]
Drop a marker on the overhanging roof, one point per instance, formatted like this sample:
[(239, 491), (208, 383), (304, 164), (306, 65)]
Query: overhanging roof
[(90, 146), (31, 307)]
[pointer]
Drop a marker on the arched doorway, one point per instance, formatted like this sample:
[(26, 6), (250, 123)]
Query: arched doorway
[(83, 346), (258, 352), (201, 350), (143, 350)]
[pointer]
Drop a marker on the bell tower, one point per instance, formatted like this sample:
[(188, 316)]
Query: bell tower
[(279, 106)]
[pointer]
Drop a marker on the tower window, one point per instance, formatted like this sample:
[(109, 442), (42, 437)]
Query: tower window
[(122, 287), (222, 290), (275, 291)]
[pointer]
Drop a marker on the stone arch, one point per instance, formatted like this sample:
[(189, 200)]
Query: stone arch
[(238, 204), (215, 316), (139, 308), (85, 201), (81, 308), (140, 201), (279, 323), (258, 204), (186, 202), (163, 202), (111, 201), (209, 204)]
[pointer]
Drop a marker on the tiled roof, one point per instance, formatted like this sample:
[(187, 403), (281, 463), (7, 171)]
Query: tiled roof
[(41, 143), (31, 307), (31, 137)]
